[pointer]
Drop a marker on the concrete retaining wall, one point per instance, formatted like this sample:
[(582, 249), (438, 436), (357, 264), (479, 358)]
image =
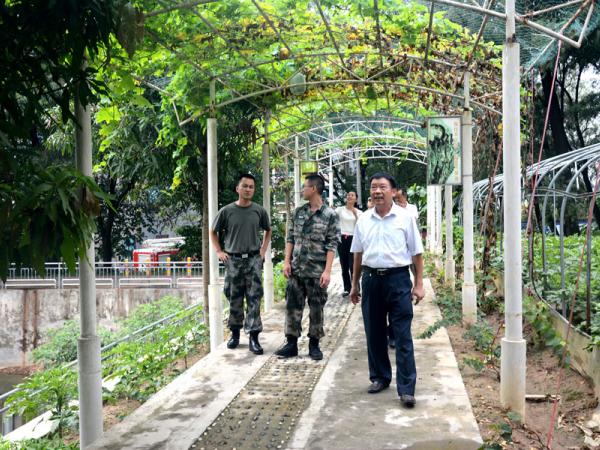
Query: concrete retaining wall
[(585, 362), (26, 314)]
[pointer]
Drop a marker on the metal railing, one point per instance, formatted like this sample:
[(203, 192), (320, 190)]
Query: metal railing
[(9, 422), (115, 274)]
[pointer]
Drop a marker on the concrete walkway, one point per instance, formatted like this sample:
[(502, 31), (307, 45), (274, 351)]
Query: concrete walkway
[(233, 399)]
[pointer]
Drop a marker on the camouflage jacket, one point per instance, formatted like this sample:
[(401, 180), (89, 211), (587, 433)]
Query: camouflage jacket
[(313, 235)]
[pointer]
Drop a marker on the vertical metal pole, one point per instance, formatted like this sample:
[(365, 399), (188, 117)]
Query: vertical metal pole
[(88, 343), (269, 289), (588, 282), (297, 174), (430, 215), (215, 309), (358, 181), (331, 184), (469, 289), (438, 222), (512, 363), (449, 272)]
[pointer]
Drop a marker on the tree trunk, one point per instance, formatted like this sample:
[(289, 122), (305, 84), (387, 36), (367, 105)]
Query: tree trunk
[(106, 248), (560, 142)]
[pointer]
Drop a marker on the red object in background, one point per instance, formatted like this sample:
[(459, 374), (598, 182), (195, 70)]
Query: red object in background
[(155, 251)]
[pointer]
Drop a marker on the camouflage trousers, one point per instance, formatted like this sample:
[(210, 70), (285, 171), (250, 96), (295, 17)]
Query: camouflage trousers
[(243, 278), (296, 293)]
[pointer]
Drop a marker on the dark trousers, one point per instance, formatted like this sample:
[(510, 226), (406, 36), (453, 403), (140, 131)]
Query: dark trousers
[(346, 260), (382, 296)]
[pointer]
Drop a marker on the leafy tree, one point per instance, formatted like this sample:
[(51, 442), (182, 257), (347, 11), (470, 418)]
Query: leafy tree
[(129, 164), (46, 210)]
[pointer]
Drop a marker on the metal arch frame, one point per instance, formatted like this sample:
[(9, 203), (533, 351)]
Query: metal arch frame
[(556, 166), (326, 143), (393, 152), (375, 146), (347, 119), (424, 60), (351, 125), (543, 168), (341, 81), (323, 116), (588, 153), (421, 60), (412, 58), (585, 166)]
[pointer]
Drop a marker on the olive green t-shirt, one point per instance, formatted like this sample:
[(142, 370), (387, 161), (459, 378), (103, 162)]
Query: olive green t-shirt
[(241, 227)]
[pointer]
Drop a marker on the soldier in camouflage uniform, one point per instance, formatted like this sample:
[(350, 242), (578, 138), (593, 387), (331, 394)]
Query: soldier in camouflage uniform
[(311, 243), (239, 224)]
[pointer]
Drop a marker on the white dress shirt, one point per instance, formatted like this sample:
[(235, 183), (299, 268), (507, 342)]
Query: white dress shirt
[(347, 219), (412, 210), (389, 241)]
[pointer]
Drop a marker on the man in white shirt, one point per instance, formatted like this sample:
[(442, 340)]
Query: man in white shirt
[(401, 198), (386, 242)]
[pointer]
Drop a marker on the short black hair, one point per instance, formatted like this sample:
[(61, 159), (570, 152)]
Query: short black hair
[(385, 175), (403, 191), (317, 181), (245, 175)]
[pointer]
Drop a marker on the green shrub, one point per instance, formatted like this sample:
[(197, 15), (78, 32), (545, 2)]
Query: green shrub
[(148, 313), (61, 345), (279, 281), (49, 390), (38, 444), (144, 367)]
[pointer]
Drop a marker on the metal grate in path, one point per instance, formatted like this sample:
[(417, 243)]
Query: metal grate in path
[(265, 412)]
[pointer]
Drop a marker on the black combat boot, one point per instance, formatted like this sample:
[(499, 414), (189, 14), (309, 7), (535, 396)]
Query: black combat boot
[(234, 340), (313, 349), (254, 345), (289, 349)]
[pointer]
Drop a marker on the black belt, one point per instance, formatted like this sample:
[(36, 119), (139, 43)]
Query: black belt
[(244, 255), (384, 272)]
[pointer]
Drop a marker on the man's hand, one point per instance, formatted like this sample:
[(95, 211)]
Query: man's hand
[(287, 269), (354, 295), (418, 293), (262, 252), (223, 257), (325, 279)]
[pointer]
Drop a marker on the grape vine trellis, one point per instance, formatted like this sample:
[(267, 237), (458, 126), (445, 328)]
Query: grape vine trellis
[(368, 58)]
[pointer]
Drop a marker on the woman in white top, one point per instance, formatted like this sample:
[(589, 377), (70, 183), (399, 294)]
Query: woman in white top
[(348, 216)]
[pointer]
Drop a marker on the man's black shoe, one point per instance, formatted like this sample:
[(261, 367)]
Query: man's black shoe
[(234, 340), (408, 400), (289, 349), (254, 345), (377, 386), (345, 293), (313, 349)]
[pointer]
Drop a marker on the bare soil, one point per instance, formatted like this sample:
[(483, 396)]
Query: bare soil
[(575, 406)]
